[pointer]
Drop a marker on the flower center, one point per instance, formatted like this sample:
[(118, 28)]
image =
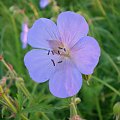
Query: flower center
[(60, 49)]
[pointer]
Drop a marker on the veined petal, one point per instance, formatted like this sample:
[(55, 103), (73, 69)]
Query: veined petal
[(39, 65), (66, 81), (72, 27), (86, 54), (42, 31)]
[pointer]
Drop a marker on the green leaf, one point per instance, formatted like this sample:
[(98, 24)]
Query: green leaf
[(38, 108)]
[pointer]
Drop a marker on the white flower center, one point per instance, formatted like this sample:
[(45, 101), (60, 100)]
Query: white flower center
[(60, 49)]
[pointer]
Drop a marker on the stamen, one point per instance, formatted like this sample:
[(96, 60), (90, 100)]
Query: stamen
[(58, 52), (52, 52), (48, 52), (53, 62), (60, 62), (64, 49), (60, 47)]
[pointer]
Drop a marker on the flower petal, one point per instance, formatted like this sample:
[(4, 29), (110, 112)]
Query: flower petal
[(23, 35), (66, 81), (86, 54), (41, 32), (25, 27), (44, 3), (39, 65), (23, 38), (72, 27)]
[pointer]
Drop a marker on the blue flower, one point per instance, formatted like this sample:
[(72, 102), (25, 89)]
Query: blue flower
[(67, 53)]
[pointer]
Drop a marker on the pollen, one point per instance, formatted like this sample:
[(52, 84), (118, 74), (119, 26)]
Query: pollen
[(64, 52)]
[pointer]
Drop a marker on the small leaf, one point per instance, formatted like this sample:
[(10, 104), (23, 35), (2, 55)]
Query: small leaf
[(38, 108)]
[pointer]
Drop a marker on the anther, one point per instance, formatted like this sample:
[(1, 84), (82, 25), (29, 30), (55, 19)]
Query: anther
[(53, 62), (64, 49), (60, 47), (60, 62), (58, 52), (48, 52), (52, 52)]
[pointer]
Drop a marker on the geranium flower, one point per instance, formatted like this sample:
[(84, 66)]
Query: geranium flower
[(44, 3), (24, 34), (67, 53)]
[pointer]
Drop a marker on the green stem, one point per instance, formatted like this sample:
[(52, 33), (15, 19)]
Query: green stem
[(45, 117), (107, 85), (98, 109), (21, 85), (20, 81), (73, 108), (11, 106), (6, 65), (24, 117), (118, 117), (101, 7), (33, 8)]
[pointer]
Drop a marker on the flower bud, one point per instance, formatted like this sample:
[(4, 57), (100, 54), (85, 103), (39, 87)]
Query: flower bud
[(0, 94), (116, 108), (76, 117), (86, 77), (1, 57), (77, 100), (3, 81), (10, 66)]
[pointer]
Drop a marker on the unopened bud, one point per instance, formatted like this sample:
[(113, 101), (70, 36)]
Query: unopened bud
[(1, 57), (10, 66), (116, 108), (0, 94), (76, 117), (77, 100), (86, 77), (3, 81)]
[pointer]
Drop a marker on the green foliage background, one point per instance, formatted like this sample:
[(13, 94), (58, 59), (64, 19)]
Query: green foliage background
[(98, 98)]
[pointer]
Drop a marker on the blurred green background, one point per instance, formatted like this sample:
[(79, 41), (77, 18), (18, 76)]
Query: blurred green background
[(98, 98)]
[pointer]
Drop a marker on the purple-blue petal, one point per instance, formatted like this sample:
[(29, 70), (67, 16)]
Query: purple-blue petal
[(24, 34), (41, 32), (66, 81), (44, 3), (25, 27), (86, 54), (39, 65), (23, 38), (72, 27)]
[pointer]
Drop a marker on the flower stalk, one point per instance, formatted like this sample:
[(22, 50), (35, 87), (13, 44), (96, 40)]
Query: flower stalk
[(4, 96), (7, 66), (19, 82), (73, 108), (10, 104)]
